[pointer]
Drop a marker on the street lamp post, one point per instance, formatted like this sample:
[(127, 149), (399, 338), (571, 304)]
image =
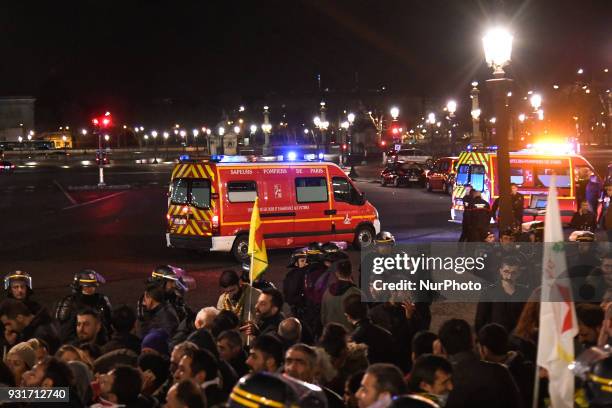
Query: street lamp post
[(451, 107), (195, 132), (497, 44), (154, 135), (182, 133), (266, 127), (351, 119), (166, 135)]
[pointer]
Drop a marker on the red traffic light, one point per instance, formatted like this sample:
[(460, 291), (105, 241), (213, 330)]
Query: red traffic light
[(344, 146), (104, 122)]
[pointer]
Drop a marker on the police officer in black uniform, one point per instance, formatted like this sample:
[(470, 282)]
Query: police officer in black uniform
[(84, 296), (18, 285), (174, 282)]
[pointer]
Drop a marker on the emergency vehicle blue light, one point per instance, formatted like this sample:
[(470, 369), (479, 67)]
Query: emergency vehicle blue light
[(321, 156), (184, 157), (291, 156)]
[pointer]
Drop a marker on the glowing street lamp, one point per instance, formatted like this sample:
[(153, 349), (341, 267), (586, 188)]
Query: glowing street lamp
[(84, 132), (521, 117), (221, 131), (253, 129), (236, 129), (351, 118), (497, 44), (536, 101), (451, 107), (475, 114), (394, 111), (431, 118)]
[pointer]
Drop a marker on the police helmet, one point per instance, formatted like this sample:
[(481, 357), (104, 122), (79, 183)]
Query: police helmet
[(330, 247), (384, 238), (275, 390), (334, 256), (300, 253), (412, 401), (17, 276), (171, 273), (87, 278), (582, 236), (599, 382)]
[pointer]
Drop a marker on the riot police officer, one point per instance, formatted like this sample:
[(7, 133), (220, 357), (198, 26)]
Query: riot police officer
[(84, 295), (275, 390), (18, 285), (174, 281)]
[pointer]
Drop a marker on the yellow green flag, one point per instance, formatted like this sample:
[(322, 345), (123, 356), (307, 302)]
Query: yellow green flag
[(257, 246)]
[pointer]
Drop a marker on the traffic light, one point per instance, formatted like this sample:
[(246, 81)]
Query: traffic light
[(103, 122)]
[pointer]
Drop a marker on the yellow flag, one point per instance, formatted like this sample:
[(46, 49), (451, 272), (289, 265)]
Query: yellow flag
[(257, 246)]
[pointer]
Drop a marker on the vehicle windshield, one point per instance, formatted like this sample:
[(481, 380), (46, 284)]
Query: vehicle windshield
[(473, 174)]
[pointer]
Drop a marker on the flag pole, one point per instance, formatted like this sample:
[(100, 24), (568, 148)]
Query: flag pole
[(248, 339)]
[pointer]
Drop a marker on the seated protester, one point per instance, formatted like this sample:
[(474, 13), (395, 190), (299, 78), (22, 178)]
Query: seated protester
[(289, 332), (123, 319), (380, 384), (91, 350), (380, 342), (431, 377), (155, 370), (20, 358), (590, 320), (493, 347), (21, 325), (41, 348), (203, 319), (205, 341), (185, 394), (503, 301), (201, 367), (266, 354), (301, 364), (352, 385), (422, 343), (600, 278), (89, 328), (236, 295), (155, 342), (157, 314), (82, 381), (229, 344), (346, 357), (476, 383), (331, 304), (68, 353), (18, 286), (268, 313), (52, 372), (121, 386), (178, 351), (225, 320), (584, 218)]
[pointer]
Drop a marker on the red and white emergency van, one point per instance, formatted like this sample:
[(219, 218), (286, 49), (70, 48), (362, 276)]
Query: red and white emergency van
[(531, 169), (210, 205)]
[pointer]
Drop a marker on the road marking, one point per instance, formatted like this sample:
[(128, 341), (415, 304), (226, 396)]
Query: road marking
[(93, 201), (63, 190)]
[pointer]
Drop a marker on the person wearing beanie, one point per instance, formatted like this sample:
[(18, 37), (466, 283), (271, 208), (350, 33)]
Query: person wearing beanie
[(155, 341), (20, 358)]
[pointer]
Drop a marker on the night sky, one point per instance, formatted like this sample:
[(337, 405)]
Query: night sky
[(88, 53)]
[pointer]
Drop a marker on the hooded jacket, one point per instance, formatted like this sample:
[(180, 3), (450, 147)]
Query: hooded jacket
[(332, 304)]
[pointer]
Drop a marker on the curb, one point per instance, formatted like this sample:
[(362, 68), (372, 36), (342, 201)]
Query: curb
[(96, 187)]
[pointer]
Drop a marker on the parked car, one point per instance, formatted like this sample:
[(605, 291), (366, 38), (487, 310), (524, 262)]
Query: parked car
[(398, 174), (102, 158), (6, 167), (441, 177)]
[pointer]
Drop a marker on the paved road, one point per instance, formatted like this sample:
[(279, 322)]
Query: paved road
[(52, 228)]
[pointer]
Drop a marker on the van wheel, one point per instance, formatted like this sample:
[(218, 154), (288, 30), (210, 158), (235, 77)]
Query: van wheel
[(364, 237), (240, 248), (449, 189), (383, 183)]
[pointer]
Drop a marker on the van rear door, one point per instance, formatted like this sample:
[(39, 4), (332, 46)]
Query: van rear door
[(313, 204)]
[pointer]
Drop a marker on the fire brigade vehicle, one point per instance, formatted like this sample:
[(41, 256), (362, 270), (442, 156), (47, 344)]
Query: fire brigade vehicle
[(530, 169), (210, 204)]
